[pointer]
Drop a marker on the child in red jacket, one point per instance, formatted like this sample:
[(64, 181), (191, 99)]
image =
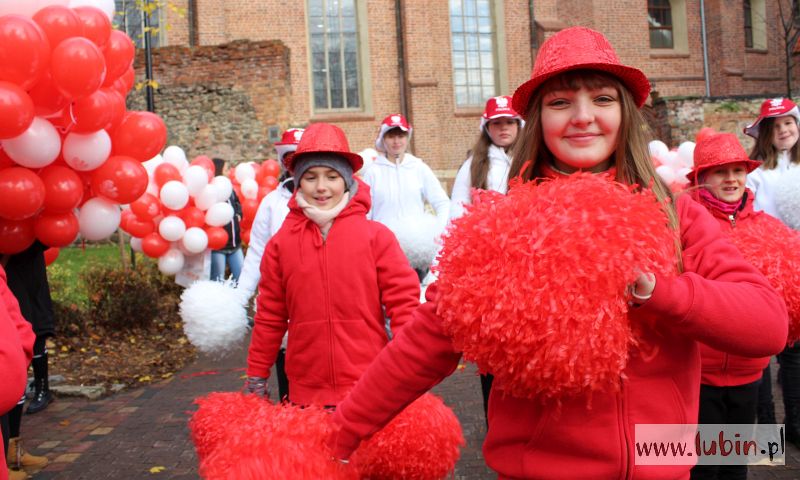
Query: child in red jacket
[(581, 114), (729, 383), (332, 272)]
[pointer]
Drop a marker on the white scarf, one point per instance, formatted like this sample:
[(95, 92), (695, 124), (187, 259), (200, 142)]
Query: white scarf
[(323, 218)]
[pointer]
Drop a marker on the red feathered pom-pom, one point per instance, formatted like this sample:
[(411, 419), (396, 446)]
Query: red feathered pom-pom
[(421, 443), (533, 285), (265, 442), (774, 249)]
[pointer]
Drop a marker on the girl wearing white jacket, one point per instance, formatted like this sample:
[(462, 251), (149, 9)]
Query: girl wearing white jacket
[(401, 183)]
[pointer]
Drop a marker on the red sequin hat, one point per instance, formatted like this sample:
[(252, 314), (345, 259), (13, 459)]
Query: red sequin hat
[(325, 138), (578, 48), (718, 150), (775, 107)]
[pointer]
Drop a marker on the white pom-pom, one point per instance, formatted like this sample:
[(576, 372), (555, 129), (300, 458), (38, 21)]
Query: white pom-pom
[(214, 316), (787, 198), (417, 237)]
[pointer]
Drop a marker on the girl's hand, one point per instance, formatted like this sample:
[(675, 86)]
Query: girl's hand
[(642, 289), (256, 386)]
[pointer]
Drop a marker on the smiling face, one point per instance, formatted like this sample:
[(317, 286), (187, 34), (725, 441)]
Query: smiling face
[(581, 126), (784, 132), (503, 131), (727, 182), (322, 187)]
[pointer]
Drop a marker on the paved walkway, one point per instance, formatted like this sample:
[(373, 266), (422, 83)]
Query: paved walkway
[(143, 433)]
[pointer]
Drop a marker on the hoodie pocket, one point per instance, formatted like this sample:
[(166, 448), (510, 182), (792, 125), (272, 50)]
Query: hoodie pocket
[(308, 353)]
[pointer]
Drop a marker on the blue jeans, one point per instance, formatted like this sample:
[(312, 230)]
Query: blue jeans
[(234, 260)]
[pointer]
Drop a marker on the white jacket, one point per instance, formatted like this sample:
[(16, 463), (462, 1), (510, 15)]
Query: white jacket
[(762, 183), (400, 191), (270, 216), (497, 180)]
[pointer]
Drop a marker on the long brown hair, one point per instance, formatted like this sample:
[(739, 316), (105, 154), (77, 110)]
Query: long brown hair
[(765, 151), (631, 156)]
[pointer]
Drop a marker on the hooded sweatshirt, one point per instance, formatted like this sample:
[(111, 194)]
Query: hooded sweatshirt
[(762, 183), (496, 180)]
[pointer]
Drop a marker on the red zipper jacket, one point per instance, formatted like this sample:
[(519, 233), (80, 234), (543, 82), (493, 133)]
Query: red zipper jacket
[(333, 291), (722, 369), (720, 299)]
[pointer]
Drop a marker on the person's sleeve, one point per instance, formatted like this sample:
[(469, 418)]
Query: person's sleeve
[(436, 196), (16, 348), (753, 181), (271, 319), (259, 236), (417, 359), (721, 299), (369, 179), (461, 190), (398, 283)]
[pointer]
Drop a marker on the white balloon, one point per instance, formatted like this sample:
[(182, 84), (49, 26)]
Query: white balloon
[(670, 159), (686, 154), (26, 8), (171, 228), (224, 188), (219, 215), (107, 6), (177, 157), (98, 219), (84, 152), (666, 173), (136, 244), (207, 198), (196, 178), (171, 262), (250, 188), (195, 240), (36, 147), (682, 175), (244, 171), (657, 148), (174, 195)]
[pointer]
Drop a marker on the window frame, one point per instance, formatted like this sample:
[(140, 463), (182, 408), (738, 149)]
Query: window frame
[(157, 19), (670, 28)]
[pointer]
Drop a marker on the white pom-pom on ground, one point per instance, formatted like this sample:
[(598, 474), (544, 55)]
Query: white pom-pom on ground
[(787, 198), (214, 316), (417, 238)]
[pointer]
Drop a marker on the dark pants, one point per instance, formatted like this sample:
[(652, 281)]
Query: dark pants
[(486, 389), (726, 405), (283, 380), (789, 379)]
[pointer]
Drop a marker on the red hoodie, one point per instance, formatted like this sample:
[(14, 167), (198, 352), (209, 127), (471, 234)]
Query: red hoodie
[(722, 369), (720, 299), (333, 290), (16, 350)]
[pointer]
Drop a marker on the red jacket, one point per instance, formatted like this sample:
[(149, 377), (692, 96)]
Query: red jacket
[(16, 350), (720, 299), (722, 369), (333, 291)]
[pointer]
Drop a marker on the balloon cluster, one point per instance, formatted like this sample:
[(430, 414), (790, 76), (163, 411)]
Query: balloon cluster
[(66, 139), (182, 212), (674, 165), (252, 182)]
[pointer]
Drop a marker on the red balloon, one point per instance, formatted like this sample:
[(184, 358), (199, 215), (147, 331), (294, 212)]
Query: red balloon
[(703, 133), (246, 236), (139, 228), (193, 217), (270, 182), (86, 179), (78, 67), (270, 168), (154, 246), (119, 52), (25, 52), (120, 179), (141, 135), (116, 109), (16, 110), (96, 25), (47, 100), (263, 192), (166, 172), (124, 83), (5, 160), (148, 206), (50, 255), (22, 193), (16, 235), (92, 112), (249, 208), (124, 218), (57, 229), (217, 237), (58, 23), (63, 188)]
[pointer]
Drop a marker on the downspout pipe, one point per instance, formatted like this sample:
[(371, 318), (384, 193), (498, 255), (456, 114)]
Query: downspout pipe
[(706, 73), (532, 21), (401, 58), (191, 13)]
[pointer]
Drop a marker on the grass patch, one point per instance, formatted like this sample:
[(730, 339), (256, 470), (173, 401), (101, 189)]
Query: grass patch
[(66, 285)]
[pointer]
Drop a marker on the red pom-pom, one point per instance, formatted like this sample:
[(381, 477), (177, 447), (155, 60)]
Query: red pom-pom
[(421, 443), (533, 285), (212, 420), (774, 249)]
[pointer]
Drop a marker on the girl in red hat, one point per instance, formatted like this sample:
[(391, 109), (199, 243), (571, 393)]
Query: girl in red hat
[(401, 183), (776, 132), (581, 114), (333, 272), (271, 213), (729, 383)]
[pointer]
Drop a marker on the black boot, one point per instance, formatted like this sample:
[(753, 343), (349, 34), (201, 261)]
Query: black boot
[(42, 395)]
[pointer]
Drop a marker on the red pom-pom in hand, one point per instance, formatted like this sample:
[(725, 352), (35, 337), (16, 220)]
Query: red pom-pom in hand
[(533, 285)]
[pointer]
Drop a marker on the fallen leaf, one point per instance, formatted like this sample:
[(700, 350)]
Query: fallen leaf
[(146, 378), (64, 423), (157, 469)]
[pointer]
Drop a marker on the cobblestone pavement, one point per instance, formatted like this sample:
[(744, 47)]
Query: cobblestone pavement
[(128, 434)]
